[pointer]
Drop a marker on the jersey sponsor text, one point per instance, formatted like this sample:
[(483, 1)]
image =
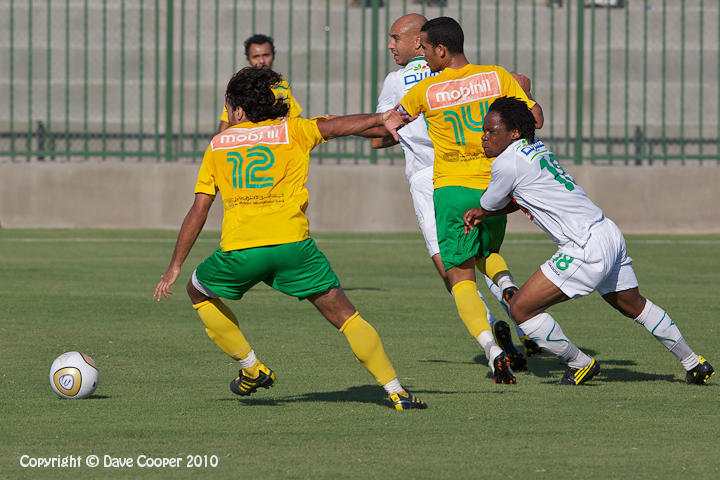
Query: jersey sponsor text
[(248, 137), (464, 90)]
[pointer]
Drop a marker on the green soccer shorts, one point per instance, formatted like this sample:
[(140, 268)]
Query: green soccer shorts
[(298, 269), (456, 246)]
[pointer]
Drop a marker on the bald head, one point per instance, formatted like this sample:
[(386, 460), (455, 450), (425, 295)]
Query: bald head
[(404, 41)]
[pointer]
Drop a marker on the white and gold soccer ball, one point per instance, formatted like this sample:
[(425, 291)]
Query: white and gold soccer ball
[(74, 375)]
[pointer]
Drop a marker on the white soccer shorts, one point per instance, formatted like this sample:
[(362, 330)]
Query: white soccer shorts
[(421, 190), (602, 265)]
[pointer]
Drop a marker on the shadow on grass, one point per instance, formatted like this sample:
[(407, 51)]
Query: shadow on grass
[(549, 366), (370, 394), (450, 362)]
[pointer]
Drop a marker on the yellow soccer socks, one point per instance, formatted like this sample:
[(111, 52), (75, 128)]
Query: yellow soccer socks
[(222, 327), (495, 267), (471, 307), (367, 347), (473, 313)]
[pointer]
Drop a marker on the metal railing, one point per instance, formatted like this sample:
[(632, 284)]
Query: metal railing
[(143, 80)]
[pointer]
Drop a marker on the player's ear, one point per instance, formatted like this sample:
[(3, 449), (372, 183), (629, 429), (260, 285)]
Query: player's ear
[(441, 50), (515, 134)]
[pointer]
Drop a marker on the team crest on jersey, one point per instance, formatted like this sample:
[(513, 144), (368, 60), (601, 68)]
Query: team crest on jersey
[(249, 137), (415, 75), (464, 90)]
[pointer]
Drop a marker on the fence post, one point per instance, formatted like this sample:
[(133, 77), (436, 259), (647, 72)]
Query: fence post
[(579, 81), (169, 82), (374, 59)]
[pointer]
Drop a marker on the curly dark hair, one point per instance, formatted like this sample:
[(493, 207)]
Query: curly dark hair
[(516, 115), (445, 31), (259, 39), (251, 89)]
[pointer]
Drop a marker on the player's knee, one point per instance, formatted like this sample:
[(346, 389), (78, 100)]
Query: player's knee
[(517, 312), (196, 296)]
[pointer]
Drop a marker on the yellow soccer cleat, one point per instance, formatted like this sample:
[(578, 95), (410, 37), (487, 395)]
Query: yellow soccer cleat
[(406, 401), (700, 375), (245, 385), (576, 376)]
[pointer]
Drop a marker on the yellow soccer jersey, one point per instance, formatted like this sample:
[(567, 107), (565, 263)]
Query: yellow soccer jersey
[(260, 170), (454, 103), (281, 90)]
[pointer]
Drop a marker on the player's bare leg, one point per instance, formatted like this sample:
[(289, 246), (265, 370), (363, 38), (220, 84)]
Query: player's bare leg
[(528, 306), (365, 343), (656, 321)]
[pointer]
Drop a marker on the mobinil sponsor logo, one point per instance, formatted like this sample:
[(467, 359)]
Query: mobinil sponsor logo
[(464, 90), (248, 137)]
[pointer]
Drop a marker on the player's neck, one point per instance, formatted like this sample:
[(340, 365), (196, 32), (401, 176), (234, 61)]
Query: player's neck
[(456, 62)]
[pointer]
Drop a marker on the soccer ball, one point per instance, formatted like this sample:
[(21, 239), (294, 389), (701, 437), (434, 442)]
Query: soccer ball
[(74, 375)]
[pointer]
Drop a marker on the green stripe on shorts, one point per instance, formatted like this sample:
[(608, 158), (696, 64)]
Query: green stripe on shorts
[(298, 269), (456, 246)]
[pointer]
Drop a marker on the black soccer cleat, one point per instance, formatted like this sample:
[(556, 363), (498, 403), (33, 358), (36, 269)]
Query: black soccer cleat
[(700, 375), (503, 337), (576, 376), (508, 293), (244, 385), (531, 347), (502, 371), (406, 401)]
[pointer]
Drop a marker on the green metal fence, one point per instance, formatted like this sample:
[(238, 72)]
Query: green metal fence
[(143, 80)]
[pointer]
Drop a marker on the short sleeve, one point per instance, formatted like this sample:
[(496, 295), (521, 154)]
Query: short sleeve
[(511, 88), (206, 175), (386, 99), (224, 117), (414, 101), (305, 133)]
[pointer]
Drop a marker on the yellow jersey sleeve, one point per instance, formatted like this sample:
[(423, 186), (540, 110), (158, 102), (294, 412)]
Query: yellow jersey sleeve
[(511, 88), (224, 116), (308, 131), (414, 100), (206, 176)]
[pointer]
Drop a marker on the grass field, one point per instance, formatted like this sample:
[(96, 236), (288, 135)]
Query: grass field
[(164, 385)]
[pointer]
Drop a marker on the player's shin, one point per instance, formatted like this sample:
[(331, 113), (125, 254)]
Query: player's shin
[(222, 327), (660, 325), (473, 313), (547, 333), (495, 267), (367, 347)]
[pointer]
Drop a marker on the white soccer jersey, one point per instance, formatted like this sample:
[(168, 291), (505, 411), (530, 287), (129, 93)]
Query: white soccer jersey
[(530, 175), (414, 138)]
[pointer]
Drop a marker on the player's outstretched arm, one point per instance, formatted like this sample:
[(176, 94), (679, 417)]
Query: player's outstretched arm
[(383, 142), (189, 231), (367, 124)]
